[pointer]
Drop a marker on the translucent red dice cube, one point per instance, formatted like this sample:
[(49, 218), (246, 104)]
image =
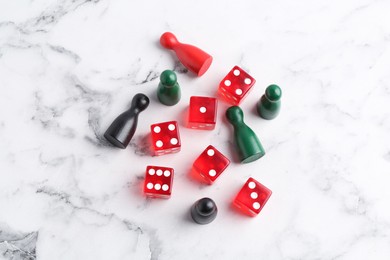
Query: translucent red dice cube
[(158, 181), (202, 113), (165, 138), (236, 85), (210, 164), (252, 197)]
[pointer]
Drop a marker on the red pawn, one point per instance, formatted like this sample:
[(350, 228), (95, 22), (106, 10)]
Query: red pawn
[(192, 57)]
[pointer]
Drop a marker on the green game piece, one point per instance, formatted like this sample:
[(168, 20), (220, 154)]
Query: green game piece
[(168, 91), (249, 146), (269, 104)]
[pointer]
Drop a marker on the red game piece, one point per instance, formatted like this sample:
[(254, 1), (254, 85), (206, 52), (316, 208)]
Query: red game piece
[(202, 113), (236, 85), (252, 197), (210, 164), (165, 138), (192, 57), (158, 181)]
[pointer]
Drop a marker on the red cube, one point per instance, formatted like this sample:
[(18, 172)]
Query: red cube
[(236, 85), (202, 113), (165, 138), (252, 197), (210, 164), (158, 181)]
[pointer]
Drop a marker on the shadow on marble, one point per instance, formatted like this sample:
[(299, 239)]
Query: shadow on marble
[(153, 97), (142, 145), (99, 141), (254, 111), (183, 119), (135, 190), (233, 153), (187, 217)]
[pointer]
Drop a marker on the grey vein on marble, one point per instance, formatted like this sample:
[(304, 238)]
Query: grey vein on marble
[(67, 68)]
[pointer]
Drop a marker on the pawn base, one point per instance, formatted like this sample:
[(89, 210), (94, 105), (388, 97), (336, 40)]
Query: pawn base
[(252, 158), (206, 65), (115, 142)]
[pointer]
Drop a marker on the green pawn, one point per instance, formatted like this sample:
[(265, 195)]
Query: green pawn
[(168, 91), (269, 104), (249, 146)]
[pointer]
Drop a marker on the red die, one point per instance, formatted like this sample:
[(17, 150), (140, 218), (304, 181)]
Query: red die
[(203, 113), (165, 138), (158, 181), (236, 85), (210, 164), (252, 197)]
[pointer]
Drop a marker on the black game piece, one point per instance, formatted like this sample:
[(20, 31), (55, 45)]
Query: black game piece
[(204, 211), (123, 128)]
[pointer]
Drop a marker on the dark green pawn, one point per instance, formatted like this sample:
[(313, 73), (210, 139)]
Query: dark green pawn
[(249, 146), (168, 91), (269, 104)]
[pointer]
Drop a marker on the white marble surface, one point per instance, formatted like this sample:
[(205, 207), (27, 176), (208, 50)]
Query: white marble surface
[(68, 68)]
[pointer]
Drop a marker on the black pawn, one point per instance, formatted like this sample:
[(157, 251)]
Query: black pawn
[(204, 211), (123, 128)]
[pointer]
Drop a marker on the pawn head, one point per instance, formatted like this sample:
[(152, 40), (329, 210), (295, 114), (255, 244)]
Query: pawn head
[(204, 211), (205, 206), (273, 92), (168, 78), (234, 114), (140, 101), (168, 40)]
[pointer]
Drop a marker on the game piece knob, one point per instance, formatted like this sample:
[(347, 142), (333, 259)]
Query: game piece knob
[(140, 102), (204, 211), (168, 40), (168, 78), (234, 115), (273, 92)]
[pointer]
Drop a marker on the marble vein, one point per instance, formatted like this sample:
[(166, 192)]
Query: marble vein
[(69, 67), (16, 245), (131, 226)]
